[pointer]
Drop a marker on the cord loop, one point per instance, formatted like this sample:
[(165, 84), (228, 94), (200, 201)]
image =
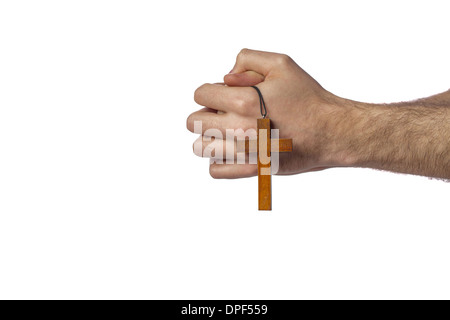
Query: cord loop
[(262, 104)]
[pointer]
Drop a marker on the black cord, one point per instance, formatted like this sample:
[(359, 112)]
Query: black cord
[(262, 104)]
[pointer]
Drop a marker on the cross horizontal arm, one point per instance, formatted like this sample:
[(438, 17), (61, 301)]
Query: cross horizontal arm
[(277, 145)]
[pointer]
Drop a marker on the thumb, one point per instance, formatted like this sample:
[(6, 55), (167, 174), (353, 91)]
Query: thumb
[(260, 61), (244, 79)]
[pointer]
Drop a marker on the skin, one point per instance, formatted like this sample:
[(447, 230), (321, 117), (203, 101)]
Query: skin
[(327, 131)]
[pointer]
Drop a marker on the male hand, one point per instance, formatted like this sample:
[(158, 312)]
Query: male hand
[(296, 104)]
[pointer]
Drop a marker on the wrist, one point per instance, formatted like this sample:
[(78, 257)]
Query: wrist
[(340, 131)]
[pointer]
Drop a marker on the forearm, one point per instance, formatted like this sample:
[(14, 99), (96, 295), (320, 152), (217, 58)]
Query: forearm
[(411, 137), (327, 131)]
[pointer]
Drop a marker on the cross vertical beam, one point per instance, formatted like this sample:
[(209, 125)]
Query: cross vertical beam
[(264, 170), (264, 147)]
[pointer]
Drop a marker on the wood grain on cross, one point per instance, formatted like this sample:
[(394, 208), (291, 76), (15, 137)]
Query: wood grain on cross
[(264, 147)]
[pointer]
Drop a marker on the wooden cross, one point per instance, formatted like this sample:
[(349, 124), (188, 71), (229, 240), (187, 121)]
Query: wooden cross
[(264, 148)]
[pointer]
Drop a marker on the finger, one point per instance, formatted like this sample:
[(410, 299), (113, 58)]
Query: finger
[(201, 120), (231, 150), (259, 61), (215, 125), (206, 109), (227, 99), (209, 147), (232, 171), (245, 79)]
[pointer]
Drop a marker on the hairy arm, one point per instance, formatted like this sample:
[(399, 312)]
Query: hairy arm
[(408, 137), (327, 131)]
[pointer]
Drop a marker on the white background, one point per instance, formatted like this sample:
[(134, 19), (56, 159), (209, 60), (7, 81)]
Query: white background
[(102, 197)]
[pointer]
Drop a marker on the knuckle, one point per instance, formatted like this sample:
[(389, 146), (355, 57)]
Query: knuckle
[(242, 53), (213, 171), (190, 123), (240, 105), (198, 93), (245, 127), (244, 103), (198, 150), (283, 59), (194, 124)]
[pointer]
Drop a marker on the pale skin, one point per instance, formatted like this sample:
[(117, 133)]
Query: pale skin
[(327, 131)]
